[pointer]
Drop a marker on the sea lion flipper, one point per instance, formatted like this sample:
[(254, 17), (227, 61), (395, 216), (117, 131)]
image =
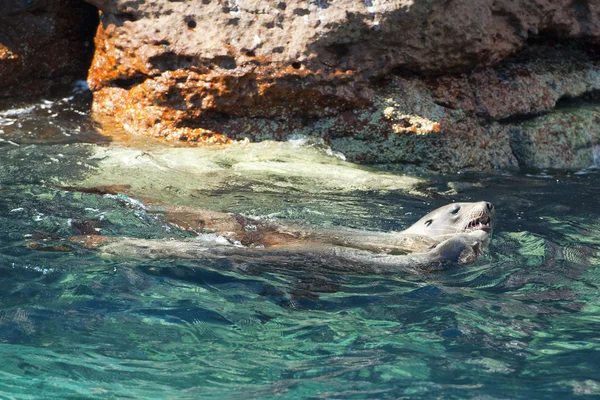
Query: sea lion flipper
[(463, 248)]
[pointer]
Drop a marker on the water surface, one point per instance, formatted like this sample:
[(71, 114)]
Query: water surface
[(521, 322)]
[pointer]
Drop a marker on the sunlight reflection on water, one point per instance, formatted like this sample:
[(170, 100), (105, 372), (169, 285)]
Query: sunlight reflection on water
[(520, 322)]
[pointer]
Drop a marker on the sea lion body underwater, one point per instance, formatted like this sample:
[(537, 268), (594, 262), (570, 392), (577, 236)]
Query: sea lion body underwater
[(455, 233)]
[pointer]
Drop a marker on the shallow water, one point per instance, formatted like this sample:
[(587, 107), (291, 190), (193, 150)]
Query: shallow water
[(521, 322)]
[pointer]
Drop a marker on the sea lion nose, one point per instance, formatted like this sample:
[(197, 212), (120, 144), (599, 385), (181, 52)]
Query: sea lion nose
[(489, 206)]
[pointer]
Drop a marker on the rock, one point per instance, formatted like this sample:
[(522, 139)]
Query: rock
[(531, 82), (44, 45), (566, 138), (428, 84)]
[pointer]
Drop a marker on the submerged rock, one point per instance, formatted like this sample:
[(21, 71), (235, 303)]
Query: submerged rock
[(189, 176)]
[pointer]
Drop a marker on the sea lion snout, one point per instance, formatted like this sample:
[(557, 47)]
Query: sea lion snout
[(480, 217)]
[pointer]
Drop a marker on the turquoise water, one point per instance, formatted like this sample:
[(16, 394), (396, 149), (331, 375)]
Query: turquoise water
[(522, 322)]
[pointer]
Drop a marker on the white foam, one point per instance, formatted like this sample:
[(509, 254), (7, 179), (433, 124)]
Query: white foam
[(13, 112)]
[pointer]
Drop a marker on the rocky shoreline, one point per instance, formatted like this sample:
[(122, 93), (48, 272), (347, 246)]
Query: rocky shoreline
[(441, 86)]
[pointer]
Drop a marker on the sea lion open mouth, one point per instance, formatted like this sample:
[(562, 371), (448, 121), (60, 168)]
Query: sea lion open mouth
[(483, 223)]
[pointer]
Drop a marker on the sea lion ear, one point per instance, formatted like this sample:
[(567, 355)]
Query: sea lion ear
[(428, 222)]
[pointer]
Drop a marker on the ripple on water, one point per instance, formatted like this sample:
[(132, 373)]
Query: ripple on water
[(520, 322)]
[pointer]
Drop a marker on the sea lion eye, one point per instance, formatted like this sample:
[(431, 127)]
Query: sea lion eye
[(456, 209), (428, 222)]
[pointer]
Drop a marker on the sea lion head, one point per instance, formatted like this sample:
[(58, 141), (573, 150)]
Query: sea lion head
[(455, 218)]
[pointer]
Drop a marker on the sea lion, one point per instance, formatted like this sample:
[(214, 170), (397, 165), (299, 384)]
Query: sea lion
[(455, 233)]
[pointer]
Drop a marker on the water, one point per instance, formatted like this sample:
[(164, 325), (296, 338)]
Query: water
[(521, 322)]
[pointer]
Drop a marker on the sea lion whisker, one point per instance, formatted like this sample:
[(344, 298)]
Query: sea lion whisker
[(442, 228), (452, 233), (445, 228)]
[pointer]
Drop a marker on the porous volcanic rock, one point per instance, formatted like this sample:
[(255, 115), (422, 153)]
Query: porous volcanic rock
[(432, 83), (566, 138), (44, 45)]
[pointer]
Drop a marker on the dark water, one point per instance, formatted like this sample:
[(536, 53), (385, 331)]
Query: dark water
[(522, 322)]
